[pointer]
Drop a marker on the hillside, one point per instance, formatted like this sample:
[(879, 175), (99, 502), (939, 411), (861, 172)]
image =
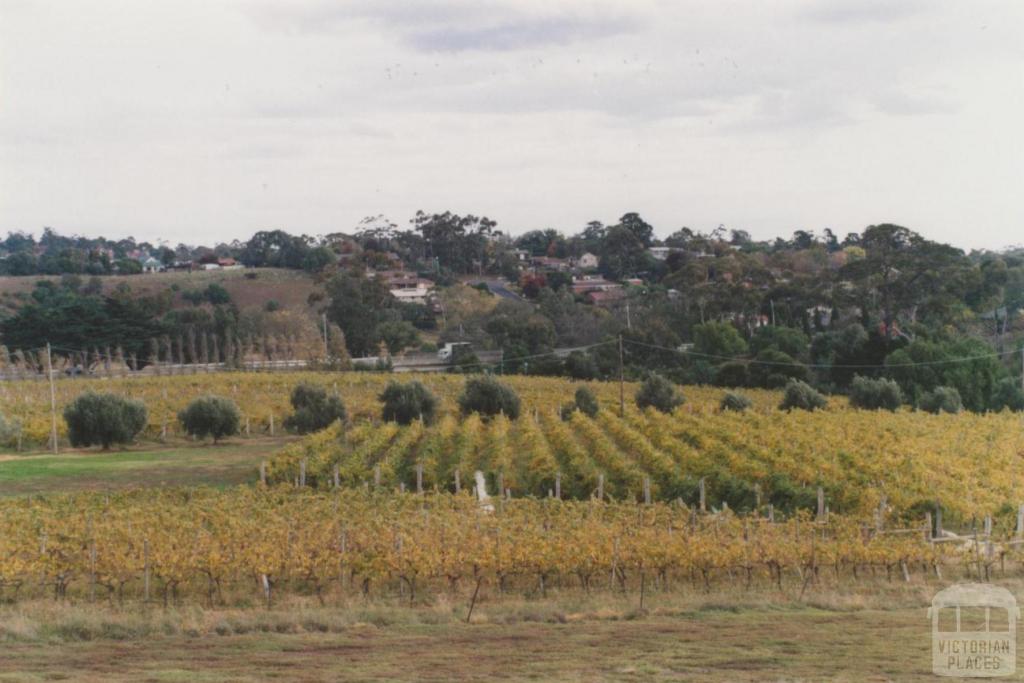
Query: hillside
[(249, 288)]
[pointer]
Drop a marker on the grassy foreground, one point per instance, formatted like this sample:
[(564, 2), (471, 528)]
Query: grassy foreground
[(185, 464), (696, 638)]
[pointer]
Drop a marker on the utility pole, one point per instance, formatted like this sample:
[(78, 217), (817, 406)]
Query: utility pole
[(629, 321), (622, 386), (772, 302), (325, 336), (1022, 367), (53, 399)]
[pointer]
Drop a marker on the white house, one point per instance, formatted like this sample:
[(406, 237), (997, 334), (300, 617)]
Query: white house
[(413, 295), (661, 253), (588, 261), (152, 265)]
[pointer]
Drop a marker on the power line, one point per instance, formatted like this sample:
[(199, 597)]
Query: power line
[(849, 366)]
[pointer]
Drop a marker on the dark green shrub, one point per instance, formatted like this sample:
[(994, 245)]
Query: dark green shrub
[(732, 374), (875, 394), (585, 402), (734, 401), (216, 294), (772, 369), (941, 400), (314, 409), (580, 365), (801, 396), (104, 419), (1007, 394), (404, 403), (659, 393), (211, 416), (488, 396)]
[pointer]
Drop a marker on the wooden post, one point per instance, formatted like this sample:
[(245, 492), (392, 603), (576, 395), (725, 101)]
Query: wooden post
[(263, 472), (703, 497), (757, 497), (337, 477), (647, 490), (622, 384), (145, 570), (501, 483), (302, 472), (928, 527), (419, 477), (247, 430), (821, 504), (92, 571), (938, 522), (600, 488), (458, 484), (988, 525), (376, 475), (558, 485), (771, 513), (271, 424), (266, 588)]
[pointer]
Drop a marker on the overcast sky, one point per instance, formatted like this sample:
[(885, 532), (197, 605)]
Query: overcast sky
[(206, 120)]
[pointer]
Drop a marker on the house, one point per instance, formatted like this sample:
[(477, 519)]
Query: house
[(587, 261), (406, 286), (606, 298), (662, 253), (152, 265), (420, 294), (593, 283), (550, 263), (229, 264)]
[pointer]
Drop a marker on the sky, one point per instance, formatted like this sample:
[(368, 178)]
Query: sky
[(202, 121)]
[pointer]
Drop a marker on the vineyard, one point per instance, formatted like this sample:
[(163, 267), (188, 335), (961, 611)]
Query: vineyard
[(903, 463), (251, 544)]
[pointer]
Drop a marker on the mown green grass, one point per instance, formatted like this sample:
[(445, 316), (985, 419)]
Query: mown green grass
[(224, 464)]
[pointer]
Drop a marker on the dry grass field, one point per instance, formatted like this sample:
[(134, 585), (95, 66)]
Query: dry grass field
[(720, 638)]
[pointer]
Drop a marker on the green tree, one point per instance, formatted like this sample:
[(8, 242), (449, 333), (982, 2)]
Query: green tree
[(314, 409), (718, 340), (103, 419), (735, 402), (212, 416), (358, 305), (658, 393), (801, 396), (875, 394), (398, 335), (941, 400), (404, 403), (488, 397)]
